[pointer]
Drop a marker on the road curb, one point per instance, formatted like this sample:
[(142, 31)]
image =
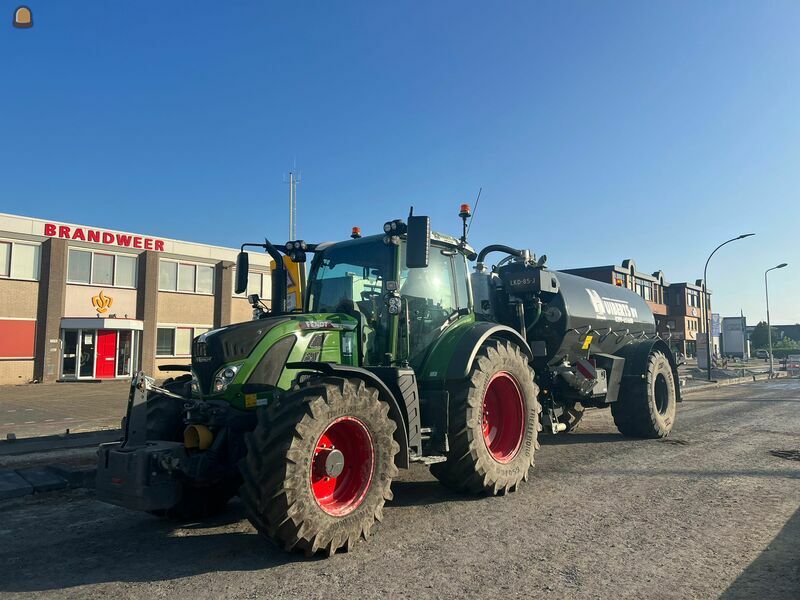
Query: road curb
[(58, 442), (733, 381)]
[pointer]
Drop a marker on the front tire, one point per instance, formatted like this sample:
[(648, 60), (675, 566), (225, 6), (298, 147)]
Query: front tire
[(319, 466), (646, 407), (494, 423)]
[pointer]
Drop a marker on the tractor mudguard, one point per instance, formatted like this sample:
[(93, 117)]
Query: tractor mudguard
[(384, 393), (636, 355), (459, 356)]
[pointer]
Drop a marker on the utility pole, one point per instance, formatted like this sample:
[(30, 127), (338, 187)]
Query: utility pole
[(769, 325), (292, 181), (705, 289)]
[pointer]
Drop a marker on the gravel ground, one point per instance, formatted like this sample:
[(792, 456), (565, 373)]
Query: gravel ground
[(711, 511)]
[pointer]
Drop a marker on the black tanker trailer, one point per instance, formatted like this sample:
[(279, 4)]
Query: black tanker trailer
[(593, 344)]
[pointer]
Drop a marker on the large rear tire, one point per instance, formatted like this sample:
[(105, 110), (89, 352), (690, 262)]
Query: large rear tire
[(494, 423), (646, 407), (319, 466)]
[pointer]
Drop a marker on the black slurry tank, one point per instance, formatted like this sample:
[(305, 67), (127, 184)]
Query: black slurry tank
[(564, 311)]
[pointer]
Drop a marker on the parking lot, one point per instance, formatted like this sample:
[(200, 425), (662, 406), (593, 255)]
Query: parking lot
[(710, 511), (37, 410)]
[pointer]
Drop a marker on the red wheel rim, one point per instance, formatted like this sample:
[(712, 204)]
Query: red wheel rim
[(503, 417), (342, 467)]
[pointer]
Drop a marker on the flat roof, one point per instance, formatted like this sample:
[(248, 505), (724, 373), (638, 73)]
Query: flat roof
[(43, 229)]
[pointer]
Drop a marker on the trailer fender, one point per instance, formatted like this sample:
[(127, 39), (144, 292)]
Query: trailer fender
[(461, 361), (636, 355), (384, 393)]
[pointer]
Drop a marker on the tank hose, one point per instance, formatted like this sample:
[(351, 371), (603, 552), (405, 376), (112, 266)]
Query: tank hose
[(536, 315), (499, 248)]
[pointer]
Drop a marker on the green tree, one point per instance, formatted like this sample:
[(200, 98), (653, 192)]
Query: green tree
[(786, 343), (758, 339)]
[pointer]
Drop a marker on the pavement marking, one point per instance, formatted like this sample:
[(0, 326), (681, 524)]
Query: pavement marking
[(13, 410), (49, 420), (4, 424), (28, 409), (29, 422)]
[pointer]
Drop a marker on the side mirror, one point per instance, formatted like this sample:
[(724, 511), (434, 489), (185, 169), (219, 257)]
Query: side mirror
[(418, 243), (242, 267)]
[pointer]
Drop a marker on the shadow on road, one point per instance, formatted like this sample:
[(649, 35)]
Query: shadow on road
[(577, 437), (423, 493), (776, 569), (134, 548), (692, 400)]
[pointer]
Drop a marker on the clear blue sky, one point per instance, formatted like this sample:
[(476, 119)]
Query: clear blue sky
[(598, 130)]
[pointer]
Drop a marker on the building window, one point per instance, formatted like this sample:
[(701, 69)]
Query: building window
[(168, 275), (5, 259), (19, 260), (693, 298), (257, 283), (165, 342), (101, 268), (126, 271), (176, 341), (644, 288), (205, 280), (185, 277), (183, 341)]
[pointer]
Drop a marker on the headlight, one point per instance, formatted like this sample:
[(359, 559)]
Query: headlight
[(195, 384), (387, 227), (224, 378)]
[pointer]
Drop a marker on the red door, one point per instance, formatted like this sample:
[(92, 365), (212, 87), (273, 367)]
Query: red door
[(106, 351)]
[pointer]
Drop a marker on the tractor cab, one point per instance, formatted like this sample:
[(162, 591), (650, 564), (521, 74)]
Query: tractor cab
[(401, 309)]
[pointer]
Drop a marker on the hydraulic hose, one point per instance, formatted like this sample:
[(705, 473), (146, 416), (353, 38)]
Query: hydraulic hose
[(499, 248)]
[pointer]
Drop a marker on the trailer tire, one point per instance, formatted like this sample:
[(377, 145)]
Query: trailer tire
[(646, 407), (491, 451), (165, 422), (297, 491)]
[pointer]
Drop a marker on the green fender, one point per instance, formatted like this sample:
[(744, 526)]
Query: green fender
[(452, 356)]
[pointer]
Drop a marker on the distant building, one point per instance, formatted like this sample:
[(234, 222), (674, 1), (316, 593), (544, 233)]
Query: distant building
[(735, 340), (679, 311)]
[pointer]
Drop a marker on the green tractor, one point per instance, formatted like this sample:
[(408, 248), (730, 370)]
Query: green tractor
[(398, 355)]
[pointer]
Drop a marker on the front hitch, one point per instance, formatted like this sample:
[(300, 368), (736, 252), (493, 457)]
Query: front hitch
[(135, 472)]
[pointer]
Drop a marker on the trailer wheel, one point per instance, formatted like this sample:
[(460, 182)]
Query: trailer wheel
[(165, 422), (494, 423), (646, 407), (319, 466)]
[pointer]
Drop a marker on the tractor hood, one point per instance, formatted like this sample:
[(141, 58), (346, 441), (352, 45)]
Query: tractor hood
[(258, 350), (219, 347)]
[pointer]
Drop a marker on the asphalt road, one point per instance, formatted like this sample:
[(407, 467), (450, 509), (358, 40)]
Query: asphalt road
[(711, 511)]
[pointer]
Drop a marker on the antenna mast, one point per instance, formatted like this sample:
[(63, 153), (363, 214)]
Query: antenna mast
[(292, 181)]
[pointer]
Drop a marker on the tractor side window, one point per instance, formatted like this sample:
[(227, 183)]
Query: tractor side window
[(430, 296)]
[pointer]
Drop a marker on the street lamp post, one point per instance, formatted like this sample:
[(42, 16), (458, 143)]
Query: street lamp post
[(705, 298), (769, 326)]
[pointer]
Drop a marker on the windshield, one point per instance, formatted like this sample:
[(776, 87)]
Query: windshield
[(350, 278), (347, 277)]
